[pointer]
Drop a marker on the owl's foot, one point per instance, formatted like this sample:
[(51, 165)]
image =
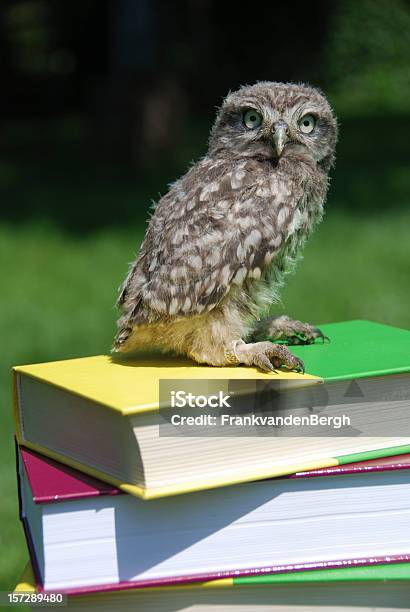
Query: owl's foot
[(267, 356), (289, 330)]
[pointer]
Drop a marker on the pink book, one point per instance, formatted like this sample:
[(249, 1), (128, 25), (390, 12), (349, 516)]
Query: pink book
[(87, 536), (51, 481)]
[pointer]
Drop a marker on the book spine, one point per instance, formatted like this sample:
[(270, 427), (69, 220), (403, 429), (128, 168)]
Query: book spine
[(33, 557), (17, 416)]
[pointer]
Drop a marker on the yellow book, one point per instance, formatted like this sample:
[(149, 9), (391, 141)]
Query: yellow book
[(108, 419)]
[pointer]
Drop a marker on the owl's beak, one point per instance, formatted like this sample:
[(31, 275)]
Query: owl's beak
[(280, 136)]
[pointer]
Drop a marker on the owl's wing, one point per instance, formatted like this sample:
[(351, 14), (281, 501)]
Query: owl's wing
[(203, 241)]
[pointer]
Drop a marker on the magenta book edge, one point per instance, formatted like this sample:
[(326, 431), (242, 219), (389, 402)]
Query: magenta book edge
[(193, 578), (53, 482), (354, 468), (64, 479)]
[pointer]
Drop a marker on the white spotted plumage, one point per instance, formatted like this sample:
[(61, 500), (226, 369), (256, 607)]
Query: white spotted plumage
[(223, 237)]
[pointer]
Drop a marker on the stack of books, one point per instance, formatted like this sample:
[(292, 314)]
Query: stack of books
[(298, 501)]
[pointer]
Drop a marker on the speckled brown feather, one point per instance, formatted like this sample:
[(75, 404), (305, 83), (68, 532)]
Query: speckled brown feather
[(221, 240)]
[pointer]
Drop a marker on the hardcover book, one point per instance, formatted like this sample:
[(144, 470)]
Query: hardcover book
[(85, 536), (102, 416), (362, 589)]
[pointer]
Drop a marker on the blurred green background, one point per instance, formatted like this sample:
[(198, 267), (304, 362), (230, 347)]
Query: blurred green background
[(106, 102)]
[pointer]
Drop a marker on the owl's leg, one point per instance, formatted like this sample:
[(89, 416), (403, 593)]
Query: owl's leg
[(264, 355), (216, 339), (284, 328)]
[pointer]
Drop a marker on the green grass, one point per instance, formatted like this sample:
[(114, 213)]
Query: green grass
[(59, 291)]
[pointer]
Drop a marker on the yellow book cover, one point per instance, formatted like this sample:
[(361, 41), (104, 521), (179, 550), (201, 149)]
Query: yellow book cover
[(97, 414), (131, 387)]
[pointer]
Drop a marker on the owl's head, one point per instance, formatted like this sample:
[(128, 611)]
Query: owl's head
[(272, 121)]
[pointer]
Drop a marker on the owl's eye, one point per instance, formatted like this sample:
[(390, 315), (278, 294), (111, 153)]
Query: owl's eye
[(252, 119), (307, 124)]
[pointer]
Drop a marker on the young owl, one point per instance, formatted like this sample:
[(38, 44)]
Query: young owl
[(221, 241)]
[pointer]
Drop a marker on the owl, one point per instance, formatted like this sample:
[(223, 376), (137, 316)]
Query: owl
[(221, 242)]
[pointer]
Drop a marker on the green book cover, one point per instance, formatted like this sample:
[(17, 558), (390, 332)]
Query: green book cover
[(385, 571), (357, 349)]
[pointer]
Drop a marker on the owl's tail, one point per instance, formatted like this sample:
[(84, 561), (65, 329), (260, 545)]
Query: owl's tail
[(125, 340), (121, 340), (130, 337)]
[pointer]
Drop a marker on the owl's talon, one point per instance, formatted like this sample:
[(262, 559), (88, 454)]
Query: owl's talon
[(267, 356), (301, 365), (290, 331), (263, 363), (319, 334)]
